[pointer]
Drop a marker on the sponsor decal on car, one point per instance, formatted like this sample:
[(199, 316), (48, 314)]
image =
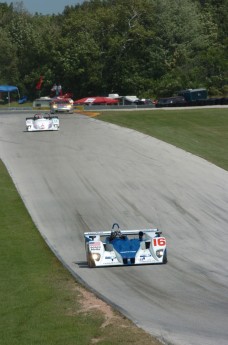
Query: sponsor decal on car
[(94, 245), (144, 257)]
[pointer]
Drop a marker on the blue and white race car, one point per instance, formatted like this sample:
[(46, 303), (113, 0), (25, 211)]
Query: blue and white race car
[(42, 122), (125, 247)]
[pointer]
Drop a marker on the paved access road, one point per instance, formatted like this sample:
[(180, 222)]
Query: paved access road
[(91, 174)]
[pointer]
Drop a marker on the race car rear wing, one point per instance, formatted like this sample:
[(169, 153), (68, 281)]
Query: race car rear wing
[(94, 235), (124, 232)]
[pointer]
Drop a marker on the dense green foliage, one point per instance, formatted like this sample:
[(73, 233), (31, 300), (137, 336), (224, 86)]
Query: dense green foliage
[(148, 48)]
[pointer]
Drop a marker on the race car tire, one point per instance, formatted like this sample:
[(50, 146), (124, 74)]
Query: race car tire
[(165, 259), (90, 261)]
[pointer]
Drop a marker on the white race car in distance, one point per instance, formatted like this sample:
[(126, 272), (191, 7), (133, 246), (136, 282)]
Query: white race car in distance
[(62, 105), (125, 247), (42, 122)]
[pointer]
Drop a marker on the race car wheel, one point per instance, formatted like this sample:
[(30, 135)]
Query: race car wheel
[(165, 259), (90, 261)]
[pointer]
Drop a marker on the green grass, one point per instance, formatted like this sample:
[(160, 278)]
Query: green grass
[(203, 132), (14, 104), (40, 302)]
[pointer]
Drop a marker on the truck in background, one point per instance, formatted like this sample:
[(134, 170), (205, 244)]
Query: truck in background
[(190, 97), (193, 95)]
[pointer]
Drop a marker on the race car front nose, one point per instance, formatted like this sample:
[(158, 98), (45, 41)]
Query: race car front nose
[(128, 261)]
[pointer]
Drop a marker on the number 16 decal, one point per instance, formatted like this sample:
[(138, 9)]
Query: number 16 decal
[(160, 241)]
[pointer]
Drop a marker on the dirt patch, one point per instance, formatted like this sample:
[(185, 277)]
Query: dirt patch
[(88, 113), (115, 326), (91, 302)]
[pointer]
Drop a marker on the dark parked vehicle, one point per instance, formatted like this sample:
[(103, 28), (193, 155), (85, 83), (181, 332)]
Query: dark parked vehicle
[(178, 101), (193, 95), (190, 97)]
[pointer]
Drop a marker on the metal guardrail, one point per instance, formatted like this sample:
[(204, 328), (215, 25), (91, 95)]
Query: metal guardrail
[(117, 107), (209, 102)]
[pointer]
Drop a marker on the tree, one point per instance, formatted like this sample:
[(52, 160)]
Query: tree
[(141, 47), (9, 73)]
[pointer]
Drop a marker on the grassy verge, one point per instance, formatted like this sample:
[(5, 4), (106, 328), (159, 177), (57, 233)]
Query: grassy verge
[(203, 132), (15, 104), (40, 302)]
